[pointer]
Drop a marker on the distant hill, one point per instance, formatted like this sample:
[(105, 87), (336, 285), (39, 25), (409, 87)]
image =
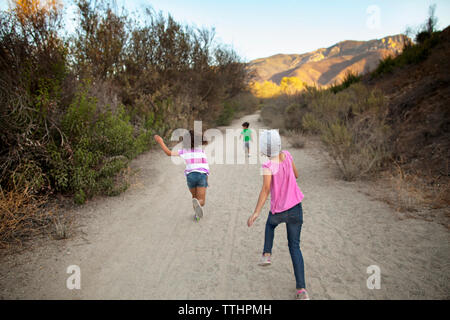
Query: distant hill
[(328, 65)]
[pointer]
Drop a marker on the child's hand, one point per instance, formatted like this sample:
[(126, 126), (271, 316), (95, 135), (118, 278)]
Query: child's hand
[(252, 219), (158, 138)]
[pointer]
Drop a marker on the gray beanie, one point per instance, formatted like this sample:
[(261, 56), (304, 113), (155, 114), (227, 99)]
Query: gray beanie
[(270, 143)]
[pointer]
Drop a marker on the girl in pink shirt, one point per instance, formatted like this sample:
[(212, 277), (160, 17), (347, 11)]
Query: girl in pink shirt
[(279, 179)]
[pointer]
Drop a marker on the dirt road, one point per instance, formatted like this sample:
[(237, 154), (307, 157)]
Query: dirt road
[(144, 243)]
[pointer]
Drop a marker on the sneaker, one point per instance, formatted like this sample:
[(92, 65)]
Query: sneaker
[(265, 261), (302, 295), (197, 208)]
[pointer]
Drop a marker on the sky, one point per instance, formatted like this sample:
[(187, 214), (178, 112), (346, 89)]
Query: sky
[(261, 28)]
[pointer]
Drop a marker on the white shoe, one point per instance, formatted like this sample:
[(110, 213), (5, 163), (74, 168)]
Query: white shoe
[(302, 295), (265, 261), (198, 209)]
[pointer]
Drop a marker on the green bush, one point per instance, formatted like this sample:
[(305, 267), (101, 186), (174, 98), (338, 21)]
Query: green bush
[(114, 133), (108, 184), (226, 115), (240, 105), (103, 142), (349, 79), (60, 170), (79, 197)]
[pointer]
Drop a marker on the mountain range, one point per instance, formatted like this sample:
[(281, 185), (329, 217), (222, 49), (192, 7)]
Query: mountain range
[(326, 66)]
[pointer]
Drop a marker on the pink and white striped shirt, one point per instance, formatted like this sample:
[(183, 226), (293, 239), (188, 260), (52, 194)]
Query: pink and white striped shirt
[(195, 159)]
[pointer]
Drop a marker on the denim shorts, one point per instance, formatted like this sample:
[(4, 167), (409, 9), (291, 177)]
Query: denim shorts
[(197, 179)]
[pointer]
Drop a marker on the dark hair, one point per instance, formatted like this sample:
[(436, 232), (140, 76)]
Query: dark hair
[(193, 139), (246, 124)]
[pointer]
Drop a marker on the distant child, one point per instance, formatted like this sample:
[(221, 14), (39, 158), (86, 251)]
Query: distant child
[(197, 168), (247, 135), (279, 179)]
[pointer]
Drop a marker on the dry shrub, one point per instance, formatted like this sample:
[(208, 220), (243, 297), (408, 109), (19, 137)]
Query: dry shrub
[(295, 139), (272, 112), (410, 193), (407, 196), (60, 228), (358, 150), (351, 123), (271, 117), (22, 215), (238, 106)]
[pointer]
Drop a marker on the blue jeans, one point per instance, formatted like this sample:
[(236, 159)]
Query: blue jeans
[(294, 219), (197, 179)]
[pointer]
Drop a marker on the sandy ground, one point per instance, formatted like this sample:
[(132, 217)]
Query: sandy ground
[(144, 243)]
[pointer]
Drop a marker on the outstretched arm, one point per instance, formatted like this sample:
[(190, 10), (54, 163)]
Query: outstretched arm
[(163, 146), (263, 195)]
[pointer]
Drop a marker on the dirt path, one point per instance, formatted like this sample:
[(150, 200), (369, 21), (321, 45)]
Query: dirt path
[(144, 244)]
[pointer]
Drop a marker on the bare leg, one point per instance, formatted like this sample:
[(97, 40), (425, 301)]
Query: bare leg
[(193, 192), (201, 195)]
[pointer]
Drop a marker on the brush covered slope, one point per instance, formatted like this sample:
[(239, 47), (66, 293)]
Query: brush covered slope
[(418, 97)]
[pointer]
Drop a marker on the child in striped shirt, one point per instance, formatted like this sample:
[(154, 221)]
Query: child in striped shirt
[(197, 168)]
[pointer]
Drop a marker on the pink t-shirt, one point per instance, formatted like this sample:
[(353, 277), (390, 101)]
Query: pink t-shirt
[(195, 159), (284, 191)]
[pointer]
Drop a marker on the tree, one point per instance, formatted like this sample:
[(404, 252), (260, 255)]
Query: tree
[(291, 85), (99, 42), (429, 27)]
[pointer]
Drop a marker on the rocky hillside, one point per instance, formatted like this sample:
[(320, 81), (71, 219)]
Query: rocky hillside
[(328, 65)]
